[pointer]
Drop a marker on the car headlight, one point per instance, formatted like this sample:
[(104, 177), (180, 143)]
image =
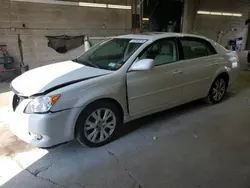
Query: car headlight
[(41, 104)]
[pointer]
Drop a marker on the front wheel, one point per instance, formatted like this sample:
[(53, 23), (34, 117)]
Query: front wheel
[(97, 124), (217, 91)]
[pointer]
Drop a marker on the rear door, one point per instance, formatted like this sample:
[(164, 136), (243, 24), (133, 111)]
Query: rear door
[(199, 63)]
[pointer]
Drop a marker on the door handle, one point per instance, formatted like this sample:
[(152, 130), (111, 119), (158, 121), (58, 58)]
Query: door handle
[(177, 72)]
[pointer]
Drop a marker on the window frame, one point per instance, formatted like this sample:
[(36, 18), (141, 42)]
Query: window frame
[(206, 43), (174, 39)]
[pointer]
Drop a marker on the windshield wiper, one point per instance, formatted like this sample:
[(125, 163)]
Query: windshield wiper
[(86, 62)]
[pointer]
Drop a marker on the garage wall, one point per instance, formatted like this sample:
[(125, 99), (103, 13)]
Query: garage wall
[(33, 21), (211, 25)]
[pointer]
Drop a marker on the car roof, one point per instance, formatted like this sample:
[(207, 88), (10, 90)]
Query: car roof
[(158, 35)]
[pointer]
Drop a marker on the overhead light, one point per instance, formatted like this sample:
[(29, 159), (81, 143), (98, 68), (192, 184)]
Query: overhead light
[(145, 19), (238, 15), (216, 13), (227, 14), (97, 5), (82, 4), (203, 12), (119, 7), (219, 13)]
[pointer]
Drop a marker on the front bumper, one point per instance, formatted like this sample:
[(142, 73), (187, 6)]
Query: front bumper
[(54, 128)]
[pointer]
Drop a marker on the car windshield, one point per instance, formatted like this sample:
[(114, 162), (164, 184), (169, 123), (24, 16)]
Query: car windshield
[(111, 54)]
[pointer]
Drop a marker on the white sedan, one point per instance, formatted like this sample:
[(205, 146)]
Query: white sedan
[(117, 81)]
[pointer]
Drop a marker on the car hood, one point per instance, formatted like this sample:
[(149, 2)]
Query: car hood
[(50, 77)]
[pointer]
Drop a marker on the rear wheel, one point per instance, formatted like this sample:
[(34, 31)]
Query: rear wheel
[(217, 91), (97, 124)]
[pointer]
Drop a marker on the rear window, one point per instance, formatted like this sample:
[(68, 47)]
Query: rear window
[(196, 48)]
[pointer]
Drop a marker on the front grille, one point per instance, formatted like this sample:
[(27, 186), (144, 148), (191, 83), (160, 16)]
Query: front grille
[(16, 101)]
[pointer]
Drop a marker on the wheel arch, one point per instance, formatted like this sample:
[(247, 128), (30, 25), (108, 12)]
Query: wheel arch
[(223, 74), (219, 73), (112, 100)]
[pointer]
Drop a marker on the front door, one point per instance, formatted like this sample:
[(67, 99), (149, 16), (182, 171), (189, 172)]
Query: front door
[(158, 87)]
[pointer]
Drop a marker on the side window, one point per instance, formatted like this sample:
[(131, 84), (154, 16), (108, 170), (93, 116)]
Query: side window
[(195, 48), (163, 51)]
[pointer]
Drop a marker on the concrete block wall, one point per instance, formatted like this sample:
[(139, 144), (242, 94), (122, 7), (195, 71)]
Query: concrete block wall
[(34, 21), (210, 25)]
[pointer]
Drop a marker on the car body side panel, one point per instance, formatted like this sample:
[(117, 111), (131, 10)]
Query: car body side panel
[(149, 89), (197, 76)]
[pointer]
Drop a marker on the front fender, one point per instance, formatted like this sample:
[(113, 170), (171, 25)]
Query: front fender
[(79, 95), (116, 92)]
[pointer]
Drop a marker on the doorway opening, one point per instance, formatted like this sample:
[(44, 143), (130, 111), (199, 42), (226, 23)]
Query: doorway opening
[(162, 15)]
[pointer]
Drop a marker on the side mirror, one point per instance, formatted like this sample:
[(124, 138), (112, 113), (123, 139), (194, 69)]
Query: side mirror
[(142, 65)]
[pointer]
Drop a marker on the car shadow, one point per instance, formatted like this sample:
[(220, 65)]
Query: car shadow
[(166, 115)]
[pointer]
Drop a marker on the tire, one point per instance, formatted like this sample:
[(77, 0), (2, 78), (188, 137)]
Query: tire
[(92, 129), (217, 91)]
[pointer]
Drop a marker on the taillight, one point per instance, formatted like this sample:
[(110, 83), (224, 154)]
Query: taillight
[(233, 58)]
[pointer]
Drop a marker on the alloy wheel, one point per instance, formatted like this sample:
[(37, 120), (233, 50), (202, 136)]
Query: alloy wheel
[(219, 89), (99, 125)]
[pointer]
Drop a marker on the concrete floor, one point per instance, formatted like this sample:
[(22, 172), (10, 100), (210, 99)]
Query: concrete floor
[(195, 145)]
